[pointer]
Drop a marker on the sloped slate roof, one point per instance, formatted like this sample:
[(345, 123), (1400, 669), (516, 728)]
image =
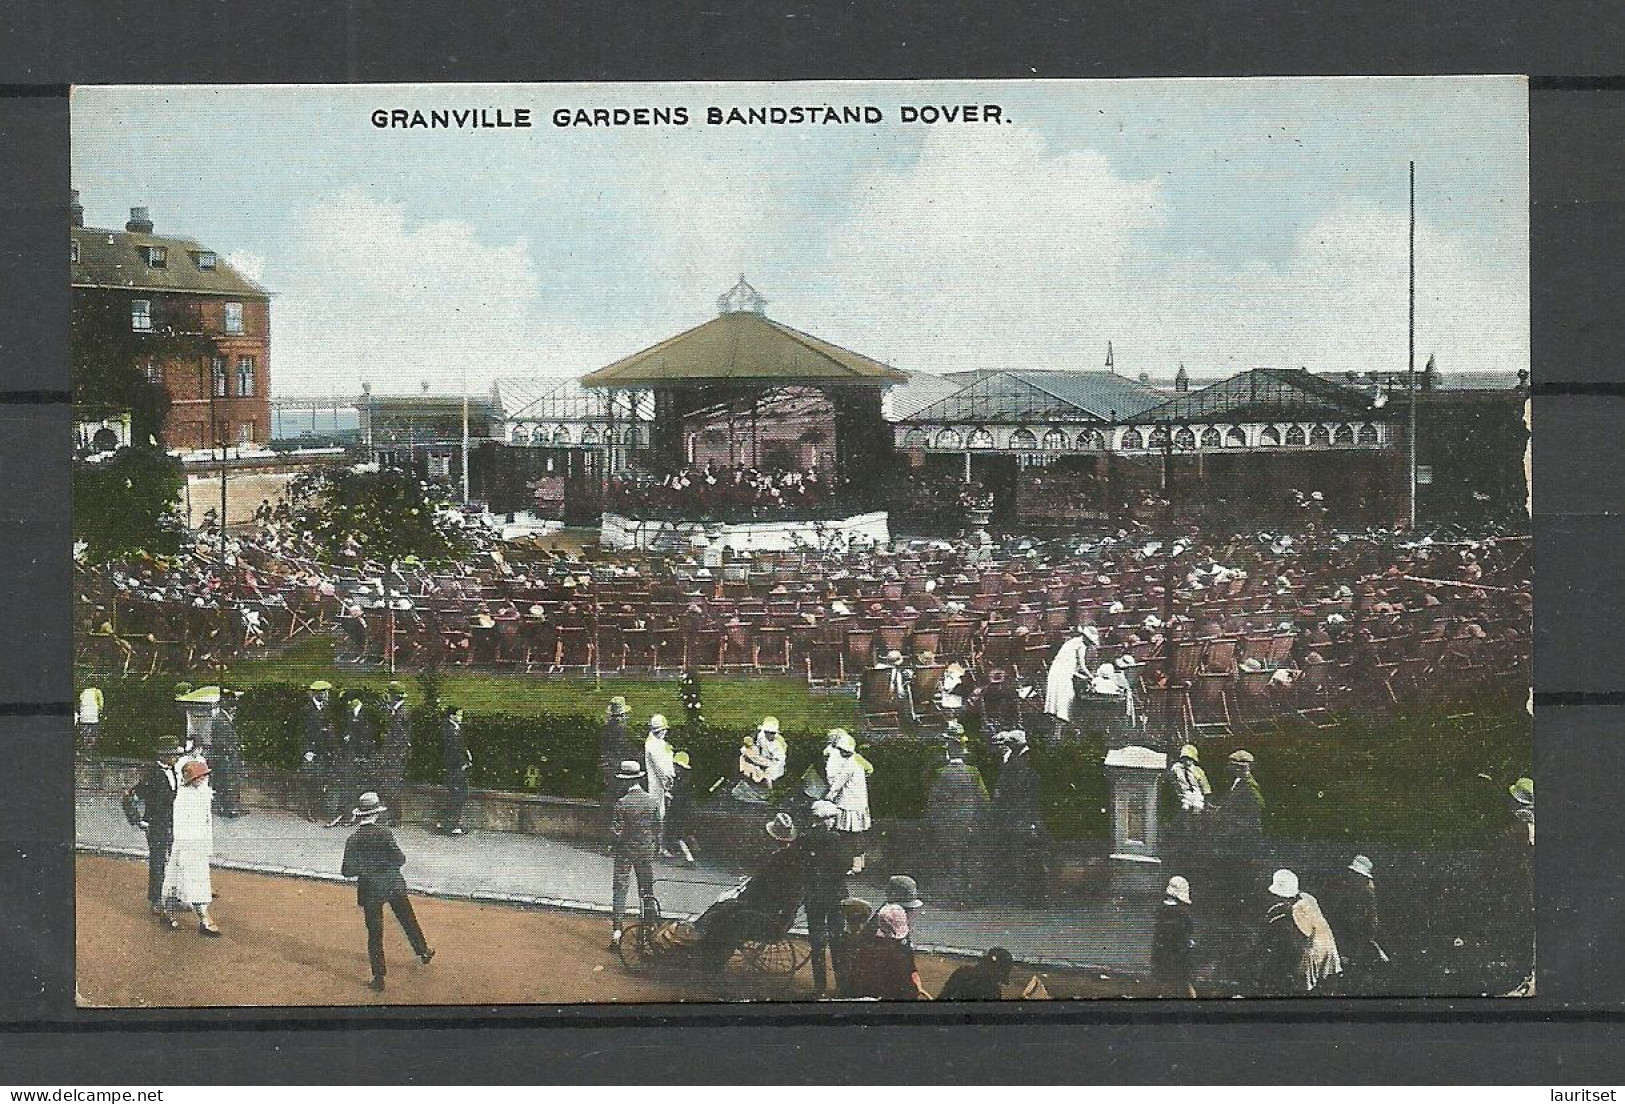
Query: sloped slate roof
[(1023, 397), (112, 258), (1262, 394), (566, 400), (743, 347)]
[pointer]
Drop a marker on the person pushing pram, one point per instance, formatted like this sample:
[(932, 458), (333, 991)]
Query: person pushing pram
[(759, 909)]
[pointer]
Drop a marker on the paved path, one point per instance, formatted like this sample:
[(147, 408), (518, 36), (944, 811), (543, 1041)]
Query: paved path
[(1112, 935)]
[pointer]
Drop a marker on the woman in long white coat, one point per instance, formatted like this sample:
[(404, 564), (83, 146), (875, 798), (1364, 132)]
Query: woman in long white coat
[(186, 877), (1070, 661), (848, 792)]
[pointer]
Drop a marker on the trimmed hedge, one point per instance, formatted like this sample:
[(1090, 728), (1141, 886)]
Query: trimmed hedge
[(1401, 780)]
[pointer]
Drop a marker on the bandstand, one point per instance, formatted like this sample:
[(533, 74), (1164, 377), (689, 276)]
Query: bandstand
[(745, 390)]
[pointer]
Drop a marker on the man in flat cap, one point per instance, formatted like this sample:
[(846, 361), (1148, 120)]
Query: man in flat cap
[(614, 746)]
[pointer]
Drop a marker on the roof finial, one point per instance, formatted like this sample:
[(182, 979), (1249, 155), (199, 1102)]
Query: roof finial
[(741, 299), (1109, 365)]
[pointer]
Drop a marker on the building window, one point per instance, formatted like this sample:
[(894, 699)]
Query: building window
[(1235, 438), (245, 433), (1270, 438), (1294, 435), (73, 250), (915, 439), (204, 259), (1055, 440), (1132, 439), (245, 377), (156, 256), (1320, 435), (589, 436), (979, 439), (439, 465), (1159, 437), (217, 373), (949, 439), (1185, 438), (1024, 440), (141, 315), (561, 435), (1344, 435), (1210, 438), (634, 437), (234, 318), (1368, 434), (1091, 441), (151, 372)]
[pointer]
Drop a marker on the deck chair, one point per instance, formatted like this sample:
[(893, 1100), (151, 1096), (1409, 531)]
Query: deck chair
[(575, 648), (826, 663), (772, 649), (1207, 706), (638, 650), (879, 707), (671, 649)]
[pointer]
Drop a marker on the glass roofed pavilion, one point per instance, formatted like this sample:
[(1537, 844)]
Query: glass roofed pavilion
[(748, 379)]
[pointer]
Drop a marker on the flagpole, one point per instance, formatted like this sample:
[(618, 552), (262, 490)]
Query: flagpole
[(1410, 367)]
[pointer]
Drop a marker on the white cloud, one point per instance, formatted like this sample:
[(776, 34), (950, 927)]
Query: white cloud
[(374, 296), (251, 265)]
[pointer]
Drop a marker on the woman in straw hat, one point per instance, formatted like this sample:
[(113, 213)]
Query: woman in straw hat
[(186, 876)]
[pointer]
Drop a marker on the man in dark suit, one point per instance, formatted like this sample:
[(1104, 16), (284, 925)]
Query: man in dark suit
[(632, 830), (320, 746), (1017, 821), (226, 757), (374, 859), (390, 772), (614, 746), (458, 762), (150, 806), (829, 856), (954, 812)]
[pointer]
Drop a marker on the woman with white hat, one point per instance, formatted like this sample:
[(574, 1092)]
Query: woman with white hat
[(1173, 941), (186, 876), (1071, 661), (848, 791), (1298, 950)]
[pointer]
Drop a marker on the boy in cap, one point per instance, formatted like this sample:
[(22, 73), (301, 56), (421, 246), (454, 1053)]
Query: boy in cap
[(374, 860), (1192, 790), (633, 830)]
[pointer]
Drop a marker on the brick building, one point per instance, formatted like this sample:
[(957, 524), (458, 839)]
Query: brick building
[(163, 280)]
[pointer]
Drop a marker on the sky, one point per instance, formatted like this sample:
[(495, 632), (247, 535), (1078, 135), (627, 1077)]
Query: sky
[(1216, 224)]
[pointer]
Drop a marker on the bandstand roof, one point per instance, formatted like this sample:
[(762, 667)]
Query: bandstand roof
[(744, 347), (1261, 395), (1032, 396)]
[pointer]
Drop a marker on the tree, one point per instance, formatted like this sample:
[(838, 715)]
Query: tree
[(389, 514), (110, 359), (124, 505)]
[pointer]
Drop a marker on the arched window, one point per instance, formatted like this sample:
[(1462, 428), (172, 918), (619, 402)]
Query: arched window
[(1132, 439), (1270, 438), (916, 439), (589, 436), (1294, 435), (1210, 438), (1235, 438), (1158, 438), (1091, 441), (1023, 440), (634, 436), (1055, 440), (949, 439), (1344, 435), (1320, 435), (1368, 434), (561, 435), (979, 439), (1185, 438)]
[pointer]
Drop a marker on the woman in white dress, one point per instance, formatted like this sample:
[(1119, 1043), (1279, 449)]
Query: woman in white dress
[(186, 878), (848, 784), (1070, 661)]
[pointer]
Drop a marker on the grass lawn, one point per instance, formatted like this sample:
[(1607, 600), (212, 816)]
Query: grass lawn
[(731, 702)]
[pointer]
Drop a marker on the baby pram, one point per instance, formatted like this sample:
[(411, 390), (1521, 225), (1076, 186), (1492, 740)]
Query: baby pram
[(750, 920)]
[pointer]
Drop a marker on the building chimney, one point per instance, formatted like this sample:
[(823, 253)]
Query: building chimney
[(140, 221), (1182, 380), (76, 210)]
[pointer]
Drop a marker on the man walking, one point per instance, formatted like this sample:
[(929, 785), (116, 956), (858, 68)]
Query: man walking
[(394, 751), (150, 806), (374, 860), (1353, 916), (828, 859), (954, 811), (226, 755), (1018, 821), (614, 746), (319, 748), (632, 830), (458, 762)]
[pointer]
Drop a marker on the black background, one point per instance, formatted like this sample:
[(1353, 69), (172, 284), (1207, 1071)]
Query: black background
[(1572, 1034)]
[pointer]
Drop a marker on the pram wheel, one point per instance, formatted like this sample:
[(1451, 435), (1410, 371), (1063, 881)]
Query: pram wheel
[(636, 947), (780, 958)]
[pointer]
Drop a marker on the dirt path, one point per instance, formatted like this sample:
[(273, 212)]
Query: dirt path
[(291, 942)]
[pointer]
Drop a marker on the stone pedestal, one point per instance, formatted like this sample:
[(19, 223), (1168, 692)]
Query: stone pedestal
[(1133, 774)]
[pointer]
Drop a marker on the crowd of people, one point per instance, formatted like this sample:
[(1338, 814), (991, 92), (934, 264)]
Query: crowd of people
[(712, 493)]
